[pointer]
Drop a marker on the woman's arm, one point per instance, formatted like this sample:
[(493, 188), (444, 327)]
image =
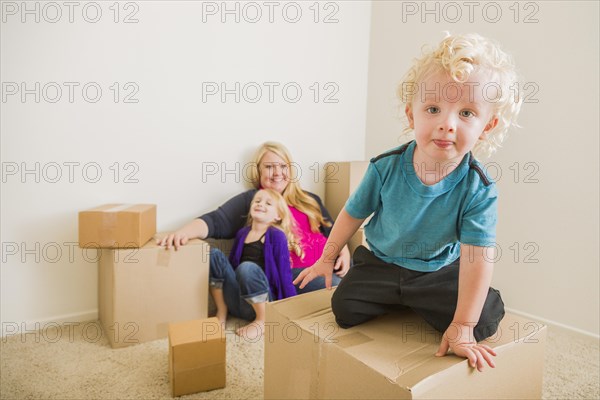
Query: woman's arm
[(194, 229), (223, 223)]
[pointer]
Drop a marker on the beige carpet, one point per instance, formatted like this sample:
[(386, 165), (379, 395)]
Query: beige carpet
[(57, 365)]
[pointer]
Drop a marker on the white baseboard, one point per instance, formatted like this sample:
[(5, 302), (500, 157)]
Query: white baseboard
[(27, 327), (553, 323), (13, 328)]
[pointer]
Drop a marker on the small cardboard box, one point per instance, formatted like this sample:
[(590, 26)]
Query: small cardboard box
[(141, 291), (307, 356), (117, 226), (196, 356)]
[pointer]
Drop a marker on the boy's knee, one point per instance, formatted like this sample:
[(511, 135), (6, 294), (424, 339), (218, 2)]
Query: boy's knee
[(341, 310)]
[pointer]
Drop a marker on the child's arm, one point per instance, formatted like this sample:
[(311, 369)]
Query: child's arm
[(345, 226), (474, 281)]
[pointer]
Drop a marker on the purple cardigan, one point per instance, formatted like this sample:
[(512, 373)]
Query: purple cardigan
[(277, 261)]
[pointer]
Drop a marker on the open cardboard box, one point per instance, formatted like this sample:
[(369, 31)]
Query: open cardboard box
[(308, 356)]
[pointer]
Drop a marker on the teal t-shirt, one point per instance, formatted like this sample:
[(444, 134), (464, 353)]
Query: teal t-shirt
[(421, 227)]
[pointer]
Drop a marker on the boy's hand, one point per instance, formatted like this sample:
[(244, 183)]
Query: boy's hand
[(320, 268), (459, 338), (342, 264)]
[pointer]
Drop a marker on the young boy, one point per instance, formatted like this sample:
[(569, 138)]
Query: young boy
[(433, 206)]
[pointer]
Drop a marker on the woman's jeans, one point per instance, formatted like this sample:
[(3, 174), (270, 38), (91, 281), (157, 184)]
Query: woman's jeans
[(242, 287)]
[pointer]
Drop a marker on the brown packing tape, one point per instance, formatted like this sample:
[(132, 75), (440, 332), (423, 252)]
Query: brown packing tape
[(118, 207), (315, 314), (108, 227), (318, 357), (163, 257), (352, 339)]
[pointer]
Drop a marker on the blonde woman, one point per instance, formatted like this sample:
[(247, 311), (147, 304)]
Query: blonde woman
[(271, 169)]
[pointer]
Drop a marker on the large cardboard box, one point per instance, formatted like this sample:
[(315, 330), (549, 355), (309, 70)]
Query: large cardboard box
[(196, 356), (117, 225), (341, 180), (358, 239), (307, 356), (141, 291)]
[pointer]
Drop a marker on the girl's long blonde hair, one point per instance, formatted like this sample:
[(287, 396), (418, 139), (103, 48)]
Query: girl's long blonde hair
[(293, 193), (285, 223)]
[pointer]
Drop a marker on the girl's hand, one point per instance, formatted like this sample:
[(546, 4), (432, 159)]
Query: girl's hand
[(320, 268), (342, 264), (459, 338)]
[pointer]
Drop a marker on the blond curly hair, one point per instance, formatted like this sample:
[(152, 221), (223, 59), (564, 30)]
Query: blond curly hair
[(459, 56)]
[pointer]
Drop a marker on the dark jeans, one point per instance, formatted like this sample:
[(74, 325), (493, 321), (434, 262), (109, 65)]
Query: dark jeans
[(373, 287), (245, 285)]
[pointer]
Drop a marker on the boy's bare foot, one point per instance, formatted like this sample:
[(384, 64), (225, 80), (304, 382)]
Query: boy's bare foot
[(252, 331)]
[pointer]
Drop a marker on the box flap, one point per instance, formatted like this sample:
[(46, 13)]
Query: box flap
[(203, 330), (376, 343), (305, 306)]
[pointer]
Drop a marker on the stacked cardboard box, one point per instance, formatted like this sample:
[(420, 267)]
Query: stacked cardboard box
[(341, 180), (142, 287), (142, 290), (307, 356), (117, 226)]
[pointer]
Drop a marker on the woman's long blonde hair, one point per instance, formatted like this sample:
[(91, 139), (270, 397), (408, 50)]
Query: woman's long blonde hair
[(293, 193), (285, 223)]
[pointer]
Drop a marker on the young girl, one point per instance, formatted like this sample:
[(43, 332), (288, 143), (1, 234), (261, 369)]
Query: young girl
[(258, 269)]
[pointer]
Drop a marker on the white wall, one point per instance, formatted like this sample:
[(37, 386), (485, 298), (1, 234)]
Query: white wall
[(169, 134), (548, 229)]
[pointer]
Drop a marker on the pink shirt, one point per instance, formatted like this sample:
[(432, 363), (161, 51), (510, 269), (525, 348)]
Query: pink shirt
[(311, 242)]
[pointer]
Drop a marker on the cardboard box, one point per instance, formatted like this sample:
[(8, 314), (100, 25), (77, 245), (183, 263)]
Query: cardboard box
[(357, 239), (196, 356), (307, 356), (341, 180), (117, 225), (141, 291)]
